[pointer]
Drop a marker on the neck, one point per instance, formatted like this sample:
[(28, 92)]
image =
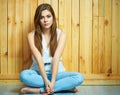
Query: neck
[(46, 31)]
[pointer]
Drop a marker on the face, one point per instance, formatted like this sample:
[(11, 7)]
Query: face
[(46, 19)]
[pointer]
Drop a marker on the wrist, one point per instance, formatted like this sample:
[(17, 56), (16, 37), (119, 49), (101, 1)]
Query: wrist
[(46, 80), (53, 81)]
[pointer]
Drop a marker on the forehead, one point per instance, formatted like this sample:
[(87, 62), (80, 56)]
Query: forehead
[(45, 12)]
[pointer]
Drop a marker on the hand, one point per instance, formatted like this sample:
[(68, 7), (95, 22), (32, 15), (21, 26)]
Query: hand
[(52, 84), (49, 87), (52, 87)]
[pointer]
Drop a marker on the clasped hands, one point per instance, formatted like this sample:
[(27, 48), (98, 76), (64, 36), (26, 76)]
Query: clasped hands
[(49, 86)]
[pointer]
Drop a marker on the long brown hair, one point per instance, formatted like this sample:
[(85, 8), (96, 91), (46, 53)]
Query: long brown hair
[(38, 29)]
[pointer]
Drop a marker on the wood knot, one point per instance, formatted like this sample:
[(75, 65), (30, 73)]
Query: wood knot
[(78, 24), (21, 21), (108, 74), (93, 4), (6, 53), (106, 22), (117, 4), (81, 57), (8, 20), (109, 70)]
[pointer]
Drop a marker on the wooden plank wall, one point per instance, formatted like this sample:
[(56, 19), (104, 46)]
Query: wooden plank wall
[(93, 37)]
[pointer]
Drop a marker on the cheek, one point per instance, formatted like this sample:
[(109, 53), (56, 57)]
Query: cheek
[(41, 22), (51, 20)]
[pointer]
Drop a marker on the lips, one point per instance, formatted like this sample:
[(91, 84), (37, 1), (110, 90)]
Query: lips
[(46, 24)]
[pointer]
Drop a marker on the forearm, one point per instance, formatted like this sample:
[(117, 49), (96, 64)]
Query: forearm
[(40, 64), (42, 71), (54, 69)]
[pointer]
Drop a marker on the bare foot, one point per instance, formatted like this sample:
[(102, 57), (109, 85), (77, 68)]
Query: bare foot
[(74, 90), (45, 94), (30, 90)]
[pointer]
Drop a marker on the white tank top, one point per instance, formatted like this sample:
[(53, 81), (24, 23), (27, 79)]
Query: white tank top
[(47, 59)]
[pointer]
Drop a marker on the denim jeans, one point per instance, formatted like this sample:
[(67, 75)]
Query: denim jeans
[(64, 80)]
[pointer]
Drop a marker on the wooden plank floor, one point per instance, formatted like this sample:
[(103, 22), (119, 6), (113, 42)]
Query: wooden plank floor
[(83, 90)]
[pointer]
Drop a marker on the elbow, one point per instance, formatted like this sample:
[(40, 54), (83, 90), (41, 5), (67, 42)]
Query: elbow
[(55, 59)]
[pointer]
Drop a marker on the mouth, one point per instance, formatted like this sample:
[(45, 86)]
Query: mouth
[(46, 24)]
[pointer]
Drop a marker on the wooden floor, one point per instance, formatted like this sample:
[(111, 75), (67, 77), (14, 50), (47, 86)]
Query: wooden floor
[(83, 90)]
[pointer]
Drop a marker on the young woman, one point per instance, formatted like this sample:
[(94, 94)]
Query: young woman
[(47, 73)]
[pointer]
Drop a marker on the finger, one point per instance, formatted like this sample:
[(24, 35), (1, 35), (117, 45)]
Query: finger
[(51, 91), (47, 89)]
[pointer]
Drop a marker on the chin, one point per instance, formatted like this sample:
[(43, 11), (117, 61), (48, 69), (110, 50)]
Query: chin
[(47, 27)]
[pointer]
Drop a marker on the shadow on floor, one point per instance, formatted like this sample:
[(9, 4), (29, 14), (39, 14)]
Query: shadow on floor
[(83, 90)]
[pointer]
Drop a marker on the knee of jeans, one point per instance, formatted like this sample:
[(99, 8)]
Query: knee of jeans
[(80, 78), (24, 74)]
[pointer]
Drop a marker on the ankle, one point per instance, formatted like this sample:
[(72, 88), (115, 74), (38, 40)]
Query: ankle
[(30, 90)]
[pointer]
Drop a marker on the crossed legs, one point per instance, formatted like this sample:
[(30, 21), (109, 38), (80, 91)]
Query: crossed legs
[(64, 81)]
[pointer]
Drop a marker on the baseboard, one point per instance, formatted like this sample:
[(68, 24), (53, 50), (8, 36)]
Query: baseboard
[(86, 82), (10, 82), (101, 82)]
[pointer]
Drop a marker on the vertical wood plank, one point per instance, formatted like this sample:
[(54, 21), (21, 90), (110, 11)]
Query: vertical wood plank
[(82, 67), (115, 36), (67, 60), (85, 36), (95, 7), (0, 35), (101, 10), (19, 33), (101, 5), (3, 37), (34, 4), (108, 45), (101, 44), (95, 37), (11, 36), (0, 39), (26, 28), (95, 45), (75, 34), (61, 14), (119, 36)]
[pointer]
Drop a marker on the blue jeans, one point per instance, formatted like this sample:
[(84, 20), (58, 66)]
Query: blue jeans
[(64, 80)]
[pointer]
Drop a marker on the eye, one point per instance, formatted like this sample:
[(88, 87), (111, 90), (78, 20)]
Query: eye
[(48, 16), (41, 17)]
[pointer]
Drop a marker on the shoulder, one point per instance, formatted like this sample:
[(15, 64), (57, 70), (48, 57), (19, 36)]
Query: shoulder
[(61, 34), (58, 31), (31, 37), (31, 34)]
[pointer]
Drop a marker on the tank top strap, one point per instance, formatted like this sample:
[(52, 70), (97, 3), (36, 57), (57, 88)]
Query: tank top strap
[(33, 31), (58, 33)]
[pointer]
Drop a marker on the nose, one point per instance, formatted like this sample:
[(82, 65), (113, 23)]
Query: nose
[(45, 19)]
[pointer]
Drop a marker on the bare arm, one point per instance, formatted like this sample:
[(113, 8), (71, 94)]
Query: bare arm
[(57, 55), (37, 56)]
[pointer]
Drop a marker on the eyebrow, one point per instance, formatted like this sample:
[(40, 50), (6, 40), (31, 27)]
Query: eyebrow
[(47, 15)]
